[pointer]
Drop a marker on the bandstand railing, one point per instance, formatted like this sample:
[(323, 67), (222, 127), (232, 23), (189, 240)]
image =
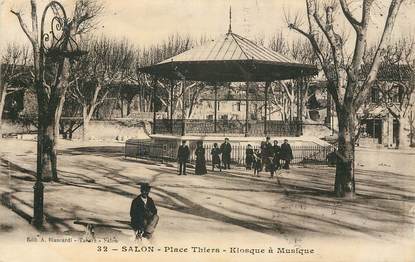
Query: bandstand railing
[(227, 127)]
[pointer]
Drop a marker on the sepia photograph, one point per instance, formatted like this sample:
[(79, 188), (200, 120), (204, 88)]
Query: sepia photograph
[(207, 130)]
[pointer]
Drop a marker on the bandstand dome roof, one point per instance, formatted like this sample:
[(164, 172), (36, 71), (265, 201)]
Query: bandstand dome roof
[(230, 58)]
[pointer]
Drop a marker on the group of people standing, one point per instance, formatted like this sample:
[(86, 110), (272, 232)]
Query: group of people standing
[(268, 157), (221, 157)]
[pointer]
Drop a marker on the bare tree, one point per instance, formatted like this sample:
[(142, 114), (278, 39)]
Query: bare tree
[(71, 118), (184, 96), (300, 50), (50, 95), (104, 67), (14, 73), (396, 87), (125, 96), (343, 73), (85, 19), (278, 44)]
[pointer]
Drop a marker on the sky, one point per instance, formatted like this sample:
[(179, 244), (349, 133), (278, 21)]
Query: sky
[(146, 22)]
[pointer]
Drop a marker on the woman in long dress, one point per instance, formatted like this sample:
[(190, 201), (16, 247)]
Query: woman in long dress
[(200, 159), (249, 157)]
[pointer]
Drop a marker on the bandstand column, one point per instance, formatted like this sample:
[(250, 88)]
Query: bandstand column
[(246, 109), (216, 109), (171, 106), (266, 107), (153, 104), (304, 87), (183, 107), (297, 94)]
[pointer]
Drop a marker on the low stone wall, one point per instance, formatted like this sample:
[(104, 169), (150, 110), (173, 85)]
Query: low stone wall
[(8, 127), (120, 130), (113, 130), (316, 130)]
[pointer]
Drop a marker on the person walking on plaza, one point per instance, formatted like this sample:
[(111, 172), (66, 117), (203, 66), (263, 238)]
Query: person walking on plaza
[(183, 157), (249, 157), (143, 213), (257, 162), (286, 154), (215, 152), (200, 168), (266, 150), (226, 150), (276, 150)]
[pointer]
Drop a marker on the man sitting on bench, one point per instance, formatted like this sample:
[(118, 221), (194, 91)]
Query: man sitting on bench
[(143, 214)]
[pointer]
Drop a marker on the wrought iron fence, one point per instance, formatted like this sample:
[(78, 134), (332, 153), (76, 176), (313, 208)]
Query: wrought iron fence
[(303, 154)]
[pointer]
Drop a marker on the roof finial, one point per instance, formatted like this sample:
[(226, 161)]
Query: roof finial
[(230, 20)]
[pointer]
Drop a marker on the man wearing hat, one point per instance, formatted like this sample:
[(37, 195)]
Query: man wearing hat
[(286, 154), (143, 214), (183, 157), (226, 150)]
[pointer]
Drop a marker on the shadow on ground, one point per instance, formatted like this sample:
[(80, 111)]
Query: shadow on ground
[(298, 203), (108, 151)]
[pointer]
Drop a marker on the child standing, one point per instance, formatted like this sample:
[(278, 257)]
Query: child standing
[(215, 152)]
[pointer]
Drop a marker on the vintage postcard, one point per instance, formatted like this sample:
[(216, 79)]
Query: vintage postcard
[(207, 130)]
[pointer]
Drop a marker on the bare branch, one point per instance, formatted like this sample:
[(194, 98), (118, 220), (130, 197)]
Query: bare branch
[(24, 27), (348, 14), (85, 15), (385, 39)]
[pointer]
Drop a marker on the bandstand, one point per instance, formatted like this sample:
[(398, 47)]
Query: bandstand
[(230, 58)]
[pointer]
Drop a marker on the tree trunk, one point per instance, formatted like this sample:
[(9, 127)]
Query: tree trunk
[(85, 126), (45, 143), (129, 102), (86, 115), (344, 185), (292, 110), (404, 139), (85, 130), (122, 107), (58, 115), (2, 102), (52, 150), (47, 153), (62, 131)]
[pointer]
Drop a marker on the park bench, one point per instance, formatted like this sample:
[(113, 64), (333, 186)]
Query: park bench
[(90, 226)]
